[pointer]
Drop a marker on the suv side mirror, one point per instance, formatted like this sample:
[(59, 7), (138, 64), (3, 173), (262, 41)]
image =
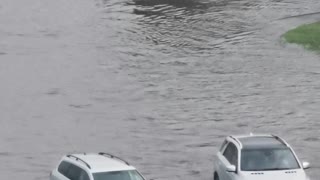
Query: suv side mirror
[(305, 165), (231, 168)]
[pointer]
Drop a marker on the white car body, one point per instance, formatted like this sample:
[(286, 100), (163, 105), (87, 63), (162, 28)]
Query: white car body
[(89, 164), (226, 170)]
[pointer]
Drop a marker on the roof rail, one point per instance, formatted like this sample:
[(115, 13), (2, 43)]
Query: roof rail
[(235, 139), (78, 159), (280, 139), (112, 156)]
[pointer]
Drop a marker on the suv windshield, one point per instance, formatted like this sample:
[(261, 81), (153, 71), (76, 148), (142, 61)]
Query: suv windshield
[(268, 159), (118, 175)]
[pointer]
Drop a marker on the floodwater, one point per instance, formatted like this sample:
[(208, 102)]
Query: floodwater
[(158, 82)]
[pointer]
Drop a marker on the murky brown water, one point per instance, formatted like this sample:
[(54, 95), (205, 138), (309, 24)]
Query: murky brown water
[(159, 82)]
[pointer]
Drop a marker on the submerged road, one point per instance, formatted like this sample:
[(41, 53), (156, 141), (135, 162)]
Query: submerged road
[(158, 82)]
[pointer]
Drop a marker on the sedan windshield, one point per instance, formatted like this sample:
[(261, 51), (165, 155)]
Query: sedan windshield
[(268, 159), (118, 175)]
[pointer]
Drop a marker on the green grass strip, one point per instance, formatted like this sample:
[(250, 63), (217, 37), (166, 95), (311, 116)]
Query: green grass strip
[(306, 35)]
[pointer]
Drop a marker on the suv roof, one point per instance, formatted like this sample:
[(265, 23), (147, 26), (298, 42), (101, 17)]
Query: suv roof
[(101, 162), (260, 141)]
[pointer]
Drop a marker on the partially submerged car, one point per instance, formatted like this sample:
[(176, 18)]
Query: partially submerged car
[(258, 157), (100, 166)]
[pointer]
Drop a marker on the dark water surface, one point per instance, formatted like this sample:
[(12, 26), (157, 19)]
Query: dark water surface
[(158, 82)]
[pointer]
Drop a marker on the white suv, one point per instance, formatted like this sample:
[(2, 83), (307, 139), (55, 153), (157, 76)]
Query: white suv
[(258, 157), (101, 166)]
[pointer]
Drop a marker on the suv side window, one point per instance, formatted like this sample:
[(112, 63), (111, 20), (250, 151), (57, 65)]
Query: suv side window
[(231, 154), (63, 168), (76, 173), (225, 142), (73, 172), (83, 175)]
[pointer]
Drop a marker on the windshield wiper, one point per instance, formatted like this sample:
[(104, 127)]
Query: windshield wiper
[(275, 169), (270, 169)]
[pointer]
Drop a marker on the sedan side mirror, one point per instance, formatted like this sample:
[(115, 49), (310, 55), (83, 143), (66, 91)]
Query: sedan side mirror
[(306, 165), (231, 168)]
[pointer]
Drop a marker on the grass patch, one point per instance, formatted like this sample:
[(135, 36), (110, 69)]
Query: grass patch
[(306, 35)]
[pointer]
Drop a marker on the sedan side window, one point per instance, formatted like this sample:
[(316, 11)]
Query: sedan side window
[(231, 154)]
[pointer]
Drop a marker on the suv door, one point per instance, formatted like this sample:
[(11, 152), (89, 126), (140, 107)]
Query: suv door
[(228, 157)]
